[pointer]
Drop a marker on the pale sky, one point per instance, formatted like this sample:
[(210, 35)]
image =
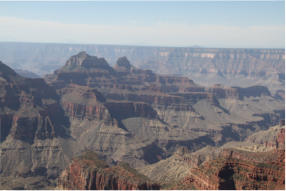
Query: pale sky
[(209, 24)]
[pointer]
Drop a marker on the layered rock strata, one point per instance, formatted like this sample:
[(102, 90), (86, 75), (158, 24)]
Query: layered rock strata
[(127, 105), (243, 167), (90, 173), (33, 125)]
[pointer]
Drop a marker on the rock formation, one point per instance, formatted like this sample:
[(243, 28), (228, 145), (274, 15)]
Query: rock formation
[(33, 125), (238, 170), (257, 163), (127, 105), (207, 66), (88, 172), (29, 108), (122, 113)]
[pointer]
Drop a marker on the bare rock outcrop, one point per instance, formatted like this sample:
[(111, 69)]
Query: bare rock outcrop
[(238, 168), (29, 108), (172, 111), (235, 171), (88, 172), (123, 113)]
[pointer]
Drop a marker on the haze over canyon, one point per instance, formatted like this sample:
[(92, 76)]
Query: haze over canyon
[(126, 117)]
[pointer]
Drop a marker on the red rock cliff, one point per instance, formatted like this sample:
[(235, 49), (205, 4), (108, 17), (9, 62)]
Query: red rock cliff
[(242, 169), (90, 173)]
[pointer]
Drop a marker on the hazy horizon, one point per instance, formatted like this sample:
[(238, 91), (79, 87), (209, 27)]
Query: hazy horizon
[(134, 45), (160, 24)]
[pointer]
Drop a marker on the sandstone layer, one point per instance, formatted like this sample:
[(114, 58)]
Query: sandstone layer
[(122, 113), (88, 172), (257, 163), (134, 115)]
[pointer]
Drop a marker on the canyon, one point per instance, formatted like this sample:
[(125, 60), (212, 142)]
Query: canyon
[(124, 114), (256, 163), (89, 172), (206, 66)]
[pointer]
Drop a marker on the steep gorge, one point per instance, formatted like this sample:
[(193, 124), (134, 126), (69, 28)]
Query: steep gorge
[(122, 113), (158, 112)]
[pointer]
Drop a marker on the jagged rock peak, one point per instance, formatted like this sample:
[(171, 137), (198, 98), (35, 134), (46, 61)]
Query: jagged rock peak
[(84, 61), (123, 64)]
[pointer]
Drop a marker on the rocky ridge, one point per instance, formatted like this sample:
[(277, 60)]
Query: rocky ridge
[(33, 126), (158, 112), (88, 172), (82, 107), (207, 66), (29, 108), (237, 170), (236, 165), (124, 79)]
